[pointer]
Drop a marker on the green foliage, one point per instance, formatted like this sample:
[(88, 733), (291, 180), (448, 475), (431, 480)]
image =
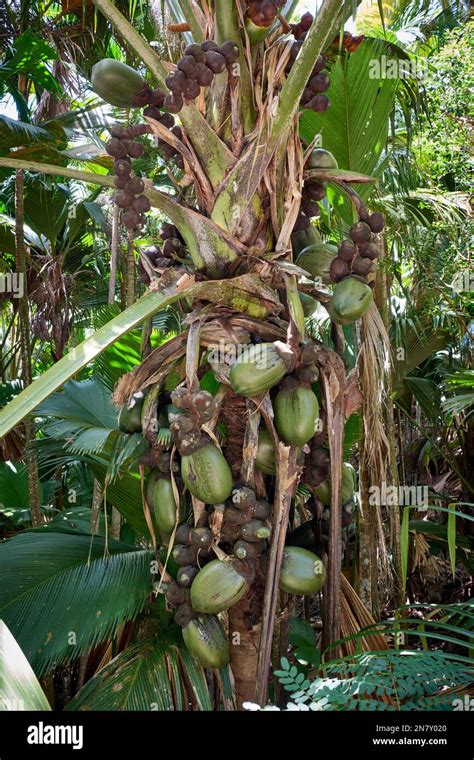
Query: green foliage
[(355, 128), (460, 387), (155, 674), (302, 638), (389, 680), (28, 55), (443, 142), (64, 592)]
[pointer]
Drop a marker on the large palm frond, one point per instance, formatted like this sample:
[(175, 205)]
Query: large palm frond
[(62, 593), (155, 674)]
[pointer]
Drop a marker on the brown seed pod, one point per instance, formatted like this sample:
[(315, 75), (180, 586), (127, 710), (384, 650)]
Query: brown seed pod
[(233, 516), (376, 221), (196, 51), (178, 132), (116, 148), (360, 232), (261, 510), (170, 231), (320, 457), (310, 208), (190, 443), (122, 167), (204, 401), (175, 594), (246, 550), (183, 533), (174, 102), (369, 250), (141, 204), (201, 537), (362, 266), (338, 269), (347, 250), (135, 186), (134, 149), (180, 396), (204, 75), (261, 12), (314, 476), (319, 65), (215, 61), (124, 200), (137, 130), (142, 99), (120, 182), (188, 65), (187, 574), (306, 21), (192, 92), (118, 131), (184, 555), (152, 112), (243, 497), (182, 424), (209, 45), (131, 219), (169, 81), (295, 49), (314, 190), (319, 83), (157, 97), (308, 374), (306, 96), (168, 151), (254, 530), (179, 161), (230, 51), (184, 614), (167, 120), (319, 104), (177, 82)]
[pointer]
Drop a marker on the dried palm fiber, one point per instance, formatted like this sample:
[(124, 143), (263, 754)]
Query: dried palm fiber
[(355, 617), (373, 365), (229, 330)]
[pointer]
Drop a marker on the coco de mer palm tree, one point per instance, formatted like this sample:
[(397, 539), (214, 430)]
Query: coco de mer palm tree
[(242, 252)]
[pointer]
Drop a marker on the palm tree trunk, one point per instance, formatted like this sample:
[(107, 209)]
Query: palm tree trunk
[(24, 333)]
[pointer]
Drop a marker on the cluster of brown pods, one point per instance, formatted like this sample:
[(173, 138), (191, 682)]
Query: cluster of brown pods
[(358, 254)]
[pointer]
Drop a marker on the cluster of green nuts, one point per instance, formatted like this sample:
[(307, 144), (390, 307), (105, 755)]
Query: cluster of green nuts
[(220, 557)]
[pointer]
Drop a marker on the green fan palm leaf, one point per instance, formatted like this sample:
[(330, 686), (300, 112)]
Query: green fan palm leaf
[(62, 593), (155, 674), (355, 128)]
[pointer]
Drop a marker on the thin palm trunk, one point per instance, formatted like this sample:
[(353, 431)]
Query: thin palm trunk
[(24, 334)]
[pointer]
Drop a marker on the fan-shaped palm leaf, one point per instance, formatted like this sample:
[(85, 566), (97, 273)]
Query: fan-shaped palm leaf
[(62, 593), (355, 128), (14, 133), (155, 674)]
